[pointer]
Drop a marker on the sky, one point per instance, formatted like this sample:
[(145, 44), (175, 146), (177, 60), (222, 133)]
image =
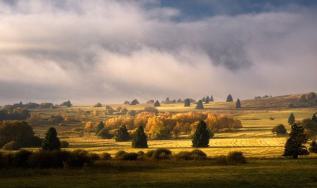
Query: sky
[(109, 51)]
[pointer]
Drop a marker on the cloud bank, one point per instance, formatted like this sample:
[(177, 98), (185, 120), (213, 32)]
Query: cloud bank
[(110, 51)]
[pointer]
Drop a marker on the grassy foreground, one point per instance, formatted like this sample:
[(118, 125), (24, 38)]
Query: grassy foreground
[(256, 173)]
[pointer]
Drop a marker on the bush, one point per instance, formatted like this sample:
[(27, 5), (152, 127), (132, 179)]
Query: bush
[(236, 157), (79, 158), (159, 154), (313, 146), (11, 146), (162, 154), (48, 159), (122, 155), (279, 130), (105, 156), (193, 155), (20, 158)]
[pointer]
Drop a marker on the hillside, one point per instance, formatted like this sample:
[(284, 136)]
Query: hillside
[(296, 100)]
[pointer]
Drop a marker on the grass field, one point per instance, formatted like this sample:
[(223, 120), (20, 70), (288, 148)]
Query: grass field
[(255, 139), (256, 173)]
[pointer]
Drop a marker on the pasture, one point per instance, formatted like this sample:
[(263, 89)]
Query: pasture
[(255, 139)]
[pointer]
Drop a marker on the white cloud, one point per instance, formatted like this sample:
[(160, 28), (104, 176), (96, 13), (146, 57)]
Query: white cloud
[(114, 50)]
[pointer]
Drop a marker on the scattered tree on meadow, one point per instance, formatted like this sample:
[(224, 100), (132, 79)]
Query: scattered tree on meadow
[(279, 130), (187, 102), (238, 103), (157, 103), (67, 104), (99, 127), (134, 102), (122, 134), (98, 105), (140, 139), (201, 136), (295, 143), (291, 119), (51, 141), (229, 98), (310, 126), (207, 100), (200, 105), (19, 132), (211, 98)]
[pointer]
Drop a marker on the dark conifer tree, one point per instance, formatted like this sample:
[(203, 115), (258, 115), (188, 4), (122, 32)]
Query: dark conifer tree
[(295, 143), (313, 146), (140, 139), (122, 134), (291, 119), (51, 141), (211, 98), (207, 100), (201, 136), (157, 103), (229, 98), (99, 127), (200, 105), (238, 103), (187, 102)]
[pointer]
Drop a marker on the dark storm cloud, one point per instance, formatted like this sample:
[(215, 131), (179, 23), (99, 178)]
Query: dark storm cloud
[(114, 50)]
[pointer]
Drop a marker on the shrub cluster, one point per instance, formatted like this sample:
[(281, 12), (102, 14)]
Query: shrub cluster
[(192, 155), (47, 159), (235, 157)]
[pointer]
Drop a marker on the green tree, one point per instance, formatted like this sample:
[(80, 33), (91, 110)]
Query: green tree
[(187, 102), (200, 105), (201, 136), (207, 100), (291, 119), (238, 103), (140, 139), (99, 127), (67, 104), (157, 103), (51, 141), (122, 134), (295, 143), (229, 98)]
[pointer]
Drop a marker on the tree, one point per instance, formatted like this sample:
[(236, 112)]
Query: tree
[(238, 103), (295, 143), (122, 134), (207, 100), (51, 141), (134, 102), (291, 119), (140, 139), (67, 104), (20, 132), (157, 103), (99, 127), (201, 136), (200, 105), (229, 98), (187, 102), (211, 98), (279, 130)]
